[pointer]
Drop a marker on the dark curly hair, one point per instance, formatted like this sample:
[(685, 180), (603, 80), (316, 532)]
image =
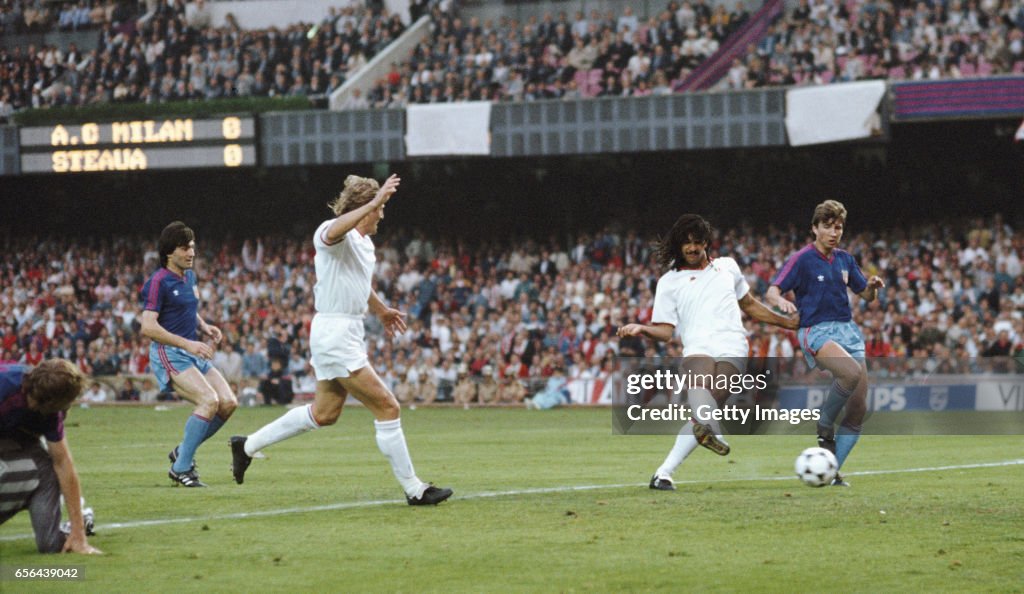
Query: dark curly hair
[(689, 227)]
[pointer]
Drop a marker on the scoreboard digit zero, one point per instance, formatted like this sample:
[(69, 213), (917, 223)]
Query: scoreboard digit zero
[(136, 145)]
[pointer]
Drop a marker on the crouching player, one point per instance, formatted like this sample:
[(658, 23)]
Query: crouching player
[(33, 403)]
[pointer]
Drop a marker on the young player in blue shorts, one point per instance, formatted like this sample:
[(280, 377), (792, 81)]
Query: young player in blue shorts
[(178, 358), (819, 275)]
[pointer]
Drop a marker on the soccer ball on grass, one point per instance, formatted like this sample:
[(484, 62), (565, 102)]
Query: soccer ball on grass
[(816, 467)]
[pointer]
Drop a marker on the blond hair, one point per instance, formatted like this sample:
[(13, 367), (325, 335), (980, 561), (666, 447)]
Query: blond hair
[(828, 211), (357, 192)]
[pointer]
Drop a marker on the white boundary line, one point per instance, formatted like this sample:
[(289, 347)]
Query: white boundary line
[(487, 494)]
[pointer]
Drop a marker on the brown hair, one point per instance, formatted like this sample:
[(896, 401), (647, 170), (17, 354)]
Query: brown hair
[(53, 385), (357, 192), (829, 210)]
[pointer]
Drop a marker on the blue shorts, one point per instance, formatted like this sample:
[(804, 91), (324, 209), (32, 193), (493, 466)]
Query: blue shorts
[(845, 334), (168, 361)]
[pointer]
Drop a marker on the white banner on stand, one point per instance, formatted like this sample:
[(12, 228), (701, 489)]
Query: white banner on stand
[(448, 129)]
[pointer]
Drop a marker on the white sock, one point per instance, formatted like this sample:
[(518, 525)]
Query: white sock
[(702, 398), (391, 441), (297, 420), (685, 444)]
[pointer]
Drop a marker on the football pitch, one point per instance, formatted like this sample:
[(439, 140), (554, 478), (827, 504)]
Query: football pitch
[(544, 501)]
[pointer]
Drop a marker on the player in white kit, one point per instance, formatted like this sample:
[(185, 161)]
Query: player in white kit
[(343, 293), (699, 300)]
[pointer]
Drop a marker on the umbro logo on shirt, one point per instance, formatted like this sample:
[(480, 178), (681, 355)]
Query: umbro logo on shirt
[(176, 292), (821, 278), (693, 278)]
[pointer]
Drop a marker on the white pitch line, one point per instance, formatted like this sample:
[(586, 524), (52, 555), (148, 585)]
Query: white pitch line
[(487, 494)]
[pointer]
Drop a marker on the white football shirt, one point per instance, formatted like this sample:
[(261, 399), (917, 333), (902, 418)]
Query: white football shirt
[(702, 304), (343, 272)]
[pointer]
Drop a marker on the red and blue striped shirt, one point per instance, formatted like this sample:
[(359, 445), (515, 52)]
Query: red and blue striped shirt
[(176, 299), (820, 284)]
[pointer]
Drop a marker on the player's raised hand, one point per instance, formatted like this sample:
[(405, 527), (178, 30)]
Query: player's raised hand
[(390, 187)]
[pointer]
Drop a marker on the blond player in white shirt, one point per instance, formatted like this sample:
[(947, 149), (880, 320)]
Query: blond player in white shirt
[(699, 300), (343, 293)]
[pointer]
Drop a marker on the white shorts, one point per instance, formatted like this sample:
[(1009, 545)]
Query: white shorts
[(337, 345), (730, 350)]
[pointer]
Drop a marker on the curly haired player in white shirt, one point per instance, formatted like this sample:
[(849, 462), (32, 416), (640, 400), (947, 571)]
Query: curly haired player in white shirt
[(700, 301), (343, 293)]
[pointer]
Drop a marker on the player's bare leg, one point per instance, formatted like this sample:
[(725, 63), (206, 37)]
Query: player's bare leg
[(193, 387), (849, 391), (328, 402), (846, 376), (366, 386), (227, 401)]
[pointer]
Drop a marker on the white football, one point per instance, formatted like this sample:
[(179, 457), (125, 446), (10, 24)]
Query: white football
[(816, 467)]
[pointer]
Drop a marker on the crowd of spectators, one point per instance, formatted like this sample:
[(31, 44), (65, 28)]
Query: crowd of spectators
[(609, 54), (821, 41), (155, 52), (158, 51), (603, 54), (488, 319)]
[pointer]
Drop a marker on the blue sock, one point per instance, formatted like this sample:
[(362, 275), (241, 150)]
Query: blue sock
[(215, 424), (834, 402), (845, 440), (195, 432)]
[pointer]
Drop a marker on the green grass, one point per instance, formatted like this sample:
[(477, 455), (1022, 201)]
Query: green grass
[(730, 527)]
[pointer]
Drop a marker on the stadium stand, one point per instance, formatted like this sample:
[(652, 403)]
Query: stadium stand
[(171, 52), (159, 52), (955, 296), (602, 55)]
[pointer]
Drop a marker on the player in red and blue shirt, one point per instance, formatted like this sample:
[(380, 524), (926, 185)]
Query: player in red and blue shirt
[(33, 403), (819, 275), (178, 358)]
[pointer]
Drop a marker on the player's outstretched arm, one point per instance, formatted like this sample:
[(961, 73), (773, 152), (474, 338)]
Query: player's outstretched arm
[(348, 221), (660, 332), (760, 312)]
